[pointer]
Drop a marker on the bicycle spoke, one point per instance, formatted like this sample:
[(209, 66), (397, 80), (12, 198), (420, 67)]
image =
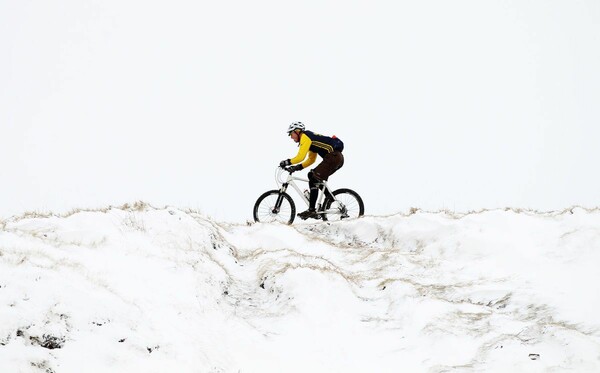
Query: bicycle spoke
[(346, 206), (266, 214)]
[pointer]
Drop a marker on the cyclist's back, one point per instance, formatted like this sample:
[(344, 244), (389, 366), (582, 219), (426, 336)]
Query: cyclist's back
[(323, 145)]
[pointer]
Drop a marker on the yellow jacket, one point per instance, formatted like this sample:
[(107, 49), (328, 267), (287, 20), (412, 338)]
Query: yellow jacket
[(305, 143)]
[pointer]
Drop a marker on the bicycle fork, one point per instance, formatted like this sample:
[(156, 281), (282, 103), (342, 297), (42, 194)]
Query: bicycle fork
[(277, 206)]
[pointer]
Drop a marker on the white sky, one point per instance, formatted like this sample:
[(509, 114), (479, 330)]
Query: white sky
[(459, 105)]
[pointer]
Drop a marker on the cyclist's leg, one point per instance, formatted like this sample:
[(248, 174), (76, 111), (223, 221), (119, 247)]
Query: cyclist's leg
[(313, 184), (331, 163)]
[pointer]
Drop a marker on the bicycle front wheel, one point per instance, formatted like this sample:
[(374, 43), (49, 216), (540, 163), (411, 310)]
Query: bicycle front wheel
[(274, 206), (346, 204)]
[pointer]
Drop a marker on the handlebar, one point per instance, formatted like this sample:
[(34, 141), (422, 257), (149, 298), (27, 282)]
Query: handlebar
[(279, 171)]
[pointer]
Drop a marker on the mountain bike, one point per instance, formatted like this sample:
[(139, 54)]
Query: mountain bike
[(278, 206)]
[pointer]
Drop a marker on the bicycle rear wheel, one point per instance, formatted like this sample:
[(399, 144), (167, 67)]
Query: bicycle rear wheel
[(273, 206), (346, 205)]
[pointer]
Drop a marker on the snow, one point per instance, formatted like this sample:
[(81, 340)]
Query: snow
[(138, 288)]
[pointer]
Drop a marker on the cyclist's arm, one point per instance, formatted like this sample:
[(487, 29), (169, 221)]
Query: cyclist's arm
[(312, 157), (305, 142)]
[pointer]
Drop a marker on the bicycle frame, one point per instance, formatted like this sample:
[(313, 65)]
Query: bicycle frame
[(290, 181)]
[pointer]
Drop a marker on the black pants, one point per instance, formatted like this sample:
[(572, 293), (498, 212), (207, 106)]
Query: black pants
[(331, 163)]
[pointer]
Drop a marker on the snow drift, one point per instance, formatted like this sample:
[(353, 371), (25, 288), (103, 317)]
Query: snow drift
[(138, 288)]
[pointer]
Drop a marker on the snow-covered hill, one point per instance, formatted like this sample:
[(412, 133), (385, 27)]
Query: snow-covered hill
[(141, 289)]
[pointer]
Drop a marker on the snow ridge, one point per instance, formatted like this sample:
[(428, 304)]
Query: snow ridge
[(139, 288)]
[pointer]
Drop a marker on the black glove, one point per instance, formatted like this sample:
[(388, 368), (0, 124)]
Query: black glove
[(284, 163), (294, 168)]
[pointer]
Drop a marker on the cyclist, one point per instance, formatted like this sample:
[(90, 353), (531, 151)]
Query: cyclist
[(311, 144)]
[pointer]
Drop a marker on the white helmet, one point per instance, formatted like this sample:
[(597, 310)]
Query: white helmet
[(296, 126)]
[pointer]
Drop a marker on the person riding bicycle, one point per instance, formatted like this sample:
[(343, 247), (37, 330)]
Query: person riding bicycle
[(311, 144)]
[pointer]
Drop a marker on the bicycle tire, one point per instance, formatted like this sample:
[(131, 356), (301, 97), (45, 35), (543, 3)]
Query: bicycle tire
[(351, 201), (264, 208)]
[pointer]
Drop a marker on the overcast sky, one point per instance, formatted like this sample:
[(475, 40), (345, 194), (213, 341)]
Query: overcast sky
[(441, 104)]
